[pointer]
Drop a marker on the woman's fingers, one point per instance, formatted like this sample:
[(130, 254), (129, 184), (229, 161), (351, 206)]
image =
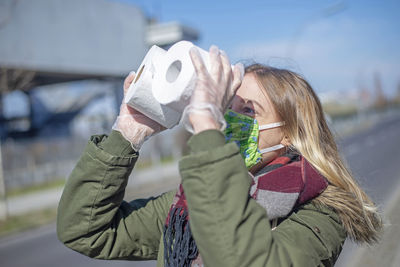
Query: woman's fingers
[(216, 67), (220, 82), (238, 74), (128, 80), (226, 66), (213, 90), (198, 63)]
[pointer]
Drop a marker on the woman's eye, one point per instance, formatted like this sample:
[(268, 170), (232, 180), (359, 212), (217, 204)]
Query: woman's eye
[(248, 110)]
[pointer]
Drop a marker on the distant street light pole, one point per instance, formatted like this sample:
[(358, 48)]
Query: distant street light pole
[(332, 10), (3, 199)]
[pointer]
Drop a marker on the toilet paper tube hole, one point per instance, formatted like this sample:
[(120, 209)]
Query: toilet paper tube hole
[(173, 71), (139, 73)]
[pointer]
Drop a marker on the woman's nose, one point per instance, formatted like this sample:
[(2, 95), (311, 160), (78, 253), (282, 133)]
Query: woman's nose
[(235, 104)]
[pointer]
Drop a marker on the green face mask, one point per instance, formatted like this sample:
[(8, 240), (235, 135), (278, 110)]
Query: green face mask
[(244, 131)]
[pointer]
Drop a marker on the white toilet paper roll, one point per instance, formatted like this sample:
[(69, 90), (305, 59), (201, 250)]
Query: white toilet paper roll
[(175, 76), (140, 97)]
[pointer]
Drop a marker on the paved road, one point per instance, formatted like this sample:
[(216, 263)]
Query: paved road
[(373, 156), (41, 248)]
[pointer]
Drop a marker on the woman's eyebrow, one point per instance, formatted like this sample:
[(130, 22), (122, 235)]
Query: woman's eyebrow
[(255, 102)]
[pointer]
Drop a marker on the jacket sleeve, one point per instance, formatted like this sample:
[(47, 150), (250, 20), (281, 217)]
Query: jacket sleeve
[(231, 229), (92, 217)]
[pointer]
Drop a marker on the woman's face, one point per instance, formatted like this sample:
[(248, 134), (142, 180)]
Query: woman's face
[(250, 100)]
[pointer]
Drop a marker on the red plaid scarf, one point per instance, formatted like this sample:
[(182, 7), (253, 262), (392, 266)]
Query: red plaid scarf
[(289, 180)]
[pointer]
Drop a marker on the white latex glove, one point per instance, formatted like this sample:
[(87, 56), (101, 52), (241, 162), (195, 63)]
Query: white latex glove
[(133, 125), (213, 91)]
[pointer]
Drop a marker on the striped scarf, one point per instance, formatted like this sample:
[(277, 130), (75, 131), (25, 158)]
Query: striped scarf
[(288, 180)]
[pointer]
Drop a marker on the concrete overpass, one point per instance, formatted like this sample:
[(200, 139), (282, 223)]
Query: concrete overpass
[(56, 40), (53, 41)]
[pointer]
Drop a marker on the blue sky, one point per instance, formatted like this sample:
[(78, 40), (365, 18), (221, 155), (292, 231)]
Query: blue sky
[(336, 45)]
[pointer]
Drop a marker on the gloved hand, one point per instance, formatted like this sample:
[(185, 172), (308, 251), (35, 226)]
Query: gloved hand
[(213, 92), (133, 125)]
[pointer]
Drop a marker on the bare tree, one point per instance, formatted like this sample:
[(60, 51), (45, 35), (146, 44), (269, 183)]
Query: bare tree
[(3, 199), (380, 98), (10, 80), (15, 79)]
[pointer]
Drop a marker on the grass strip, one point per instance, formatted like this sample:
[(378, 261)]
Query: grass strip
[(34, 219), (19, 223), (36, 188)]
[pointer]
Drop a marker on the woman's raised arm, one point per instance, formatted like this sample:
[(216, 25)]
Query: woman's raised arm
[(92, 217)]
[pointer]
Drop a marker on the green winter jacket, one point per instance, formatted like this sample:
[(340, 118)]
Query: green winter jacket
[(229, 227)]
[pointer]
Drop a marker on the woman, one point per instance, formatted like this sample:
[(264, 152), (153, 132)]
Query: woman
[(294, 207)]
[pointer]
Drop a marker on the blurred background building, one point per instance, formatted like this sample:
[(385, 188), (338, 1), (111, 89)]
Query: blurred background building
[(62, 64)]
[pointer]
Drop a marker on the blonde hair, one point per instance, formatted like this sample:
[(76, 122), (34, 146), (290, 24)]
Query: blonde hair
[(306, 128)]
